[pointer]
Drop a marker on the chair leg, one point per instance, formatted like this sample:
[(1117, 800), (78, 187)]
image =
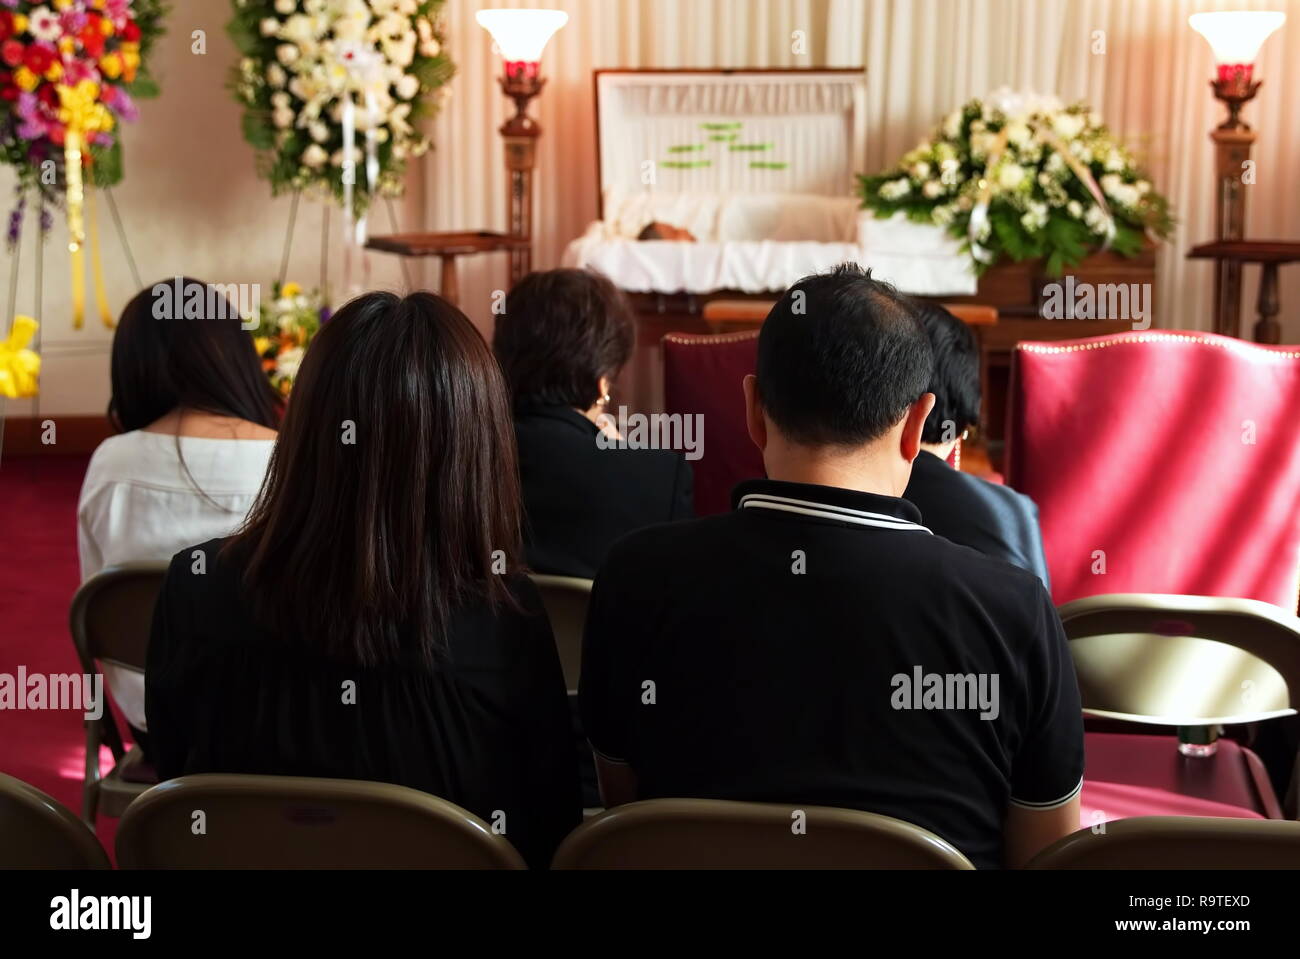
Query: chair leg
[(90, 787)]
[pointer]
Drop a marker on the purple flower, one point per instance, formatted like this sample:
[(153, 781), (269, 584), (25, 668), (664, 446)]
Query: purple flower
[(120, 102), (73, 20), (325, 314), (16, 223), (34, 125)]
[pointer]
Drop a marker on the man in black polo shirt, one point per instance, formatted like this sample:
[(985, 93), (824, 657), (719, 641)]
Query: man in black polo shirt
[(818, 646)]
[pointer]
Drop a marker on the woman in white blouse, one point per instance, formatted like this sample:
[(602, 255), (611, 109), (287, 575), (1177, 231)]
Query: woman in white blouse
[(196, 420)]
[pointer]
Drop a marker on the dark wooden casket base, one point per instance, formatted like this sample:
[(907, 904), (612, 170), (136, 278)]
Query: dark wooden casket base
[(1015, 289)]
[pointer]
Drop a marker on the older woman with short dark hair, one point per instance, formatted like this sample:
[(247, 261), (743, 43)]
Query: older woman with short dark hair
[(562, 341)]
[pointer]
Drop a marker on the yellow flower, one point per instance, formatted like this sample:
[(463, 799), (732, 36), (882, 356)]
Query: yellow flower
[(105, 25), (19, 366), (67, 46), (290, 290), (62, 4), (26, 80), (54, 72), (110, 64), (261, 344), (20, 23)]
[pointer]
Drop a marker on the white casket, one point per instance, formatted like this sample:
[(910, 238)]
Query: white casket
[(760, 167)]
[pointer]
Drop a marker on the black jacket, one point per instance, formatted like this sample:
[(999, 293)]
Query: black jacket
[(579, 499), (996, 520)]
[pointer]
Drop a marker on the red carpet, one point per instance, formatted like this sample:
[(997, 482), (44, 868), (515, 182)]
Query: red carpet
[(38, 576)]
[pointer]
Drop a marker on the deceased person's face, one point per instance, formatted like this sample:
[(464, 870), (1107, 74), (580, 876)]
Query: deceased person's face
[(665, 231)]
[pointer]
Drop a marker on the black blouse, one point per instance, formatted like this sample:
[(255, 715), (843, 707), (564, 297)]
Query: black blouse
[(486, 727), (580, 499)]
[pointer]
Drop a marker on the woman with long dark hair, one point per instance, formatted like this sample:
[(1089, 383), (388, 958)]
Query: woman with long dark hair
[(370, 620), (195, 418)]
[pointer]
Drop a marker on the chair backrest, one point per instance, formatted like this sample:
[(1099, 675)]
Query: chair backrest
[(112, 614), (702, 374), (1177, 842), (110, 619), (37, 832), (973, 314), (1161, 463), (1184, 660), (290, 822), (719, 834), (566, 599)]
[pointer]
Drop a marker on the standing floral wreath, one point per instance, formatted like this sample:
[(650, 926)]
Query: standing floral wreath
[(70, 66), (335, 91), (70, 71), (1020, 175), (286, 327)]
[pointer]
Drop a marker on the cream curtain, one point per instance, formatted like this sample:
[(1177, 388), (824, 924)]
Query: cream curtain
[(922, 58), (193, 204)]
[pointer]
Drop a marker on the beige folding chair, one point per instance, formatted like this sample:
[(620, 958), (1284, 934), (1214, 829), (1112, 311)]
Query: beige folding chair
[(110, 618), (566, 600), (1177, 842), (1195, 662), (38, 832), (719, 834), (1184, 660), (222, 821)]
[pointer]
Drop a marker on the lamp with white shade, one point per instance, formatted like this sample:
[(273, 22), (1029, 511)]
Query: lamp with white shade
[(521, 37), (1236, 37)]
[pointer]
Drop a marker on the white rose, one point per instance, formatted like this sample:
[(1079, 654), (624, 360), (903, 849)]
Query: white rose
[(280, 100), (1074, 208), (1017, 134), (932, 189), (1011, 176), (283, 118), (314, 156), (952, 125), (270, 27), (1068, 125), (430, 47), (320, 132), (285, 7), (1142, 187), (288, 362), (408, 86), (286, 53), (1114, 160), (275, 75)]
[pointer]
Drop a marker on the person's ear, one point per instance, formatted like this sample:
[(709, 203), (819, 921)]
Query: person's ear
[(914, 426), (754, 413), (604, 384)]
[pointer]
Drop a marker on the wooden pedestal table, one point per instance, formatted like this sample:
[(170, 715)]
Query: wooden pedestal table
[(446, 247), (1269, 254)]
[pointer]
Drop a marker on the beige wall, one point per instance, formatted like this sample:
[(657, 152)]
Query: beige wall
[(192, 202)]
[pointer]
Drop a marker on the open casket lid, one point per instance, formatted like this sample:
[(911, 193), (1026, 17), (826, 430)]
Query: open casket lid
[(730, 131)]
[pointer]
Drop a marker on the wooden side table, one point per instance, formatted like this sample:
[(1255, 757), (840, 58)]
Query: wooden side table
[(446, 247), (1269, 254)]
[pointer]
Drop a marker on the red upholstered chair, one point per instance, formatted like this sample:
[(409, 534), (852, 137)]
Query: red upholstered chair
[(1170, 460), (702, 374), (1162, 463)]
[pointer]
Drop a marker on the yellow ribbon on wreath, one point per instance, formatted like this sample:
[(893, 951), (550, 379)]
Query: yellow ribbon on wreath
[(82, 115), (20, 368)]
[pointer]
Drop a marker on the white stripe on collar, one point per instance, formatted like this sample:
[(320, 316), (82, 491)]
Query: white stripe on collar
[(827, 511)]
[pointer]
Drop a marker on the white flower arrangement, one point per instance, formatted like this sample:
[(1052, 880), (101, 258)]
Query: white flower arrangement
[(1024, 176), (323, 80)]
